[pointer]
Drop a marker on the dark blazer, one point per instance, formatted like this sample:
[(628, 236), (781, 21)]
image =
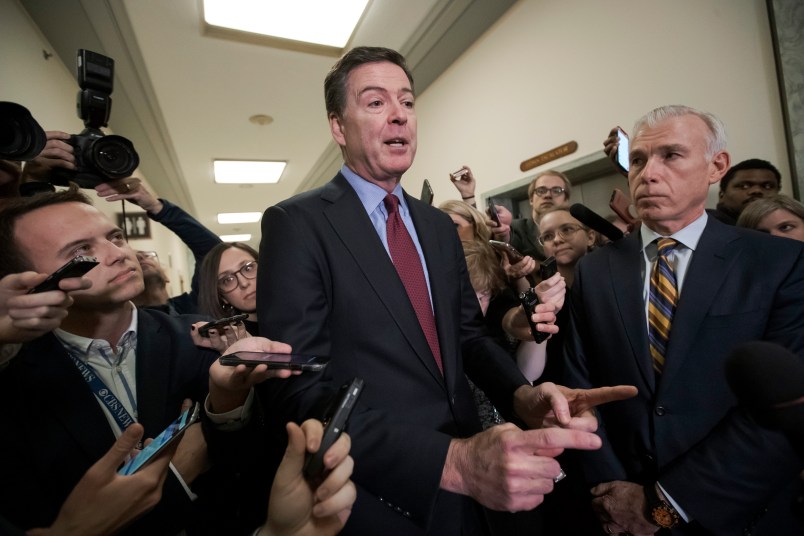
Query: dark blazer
[(525, 238), (327, 286), (54, 429), (720, 467)]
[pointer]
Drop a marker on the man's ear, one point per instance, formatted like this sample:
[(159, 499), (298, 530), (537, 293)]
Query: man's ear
[(718, 166), (336, 128)]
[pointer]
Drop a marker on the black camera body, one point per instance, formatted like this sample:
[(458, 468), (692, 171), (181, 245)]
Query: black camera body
[(98, 158)]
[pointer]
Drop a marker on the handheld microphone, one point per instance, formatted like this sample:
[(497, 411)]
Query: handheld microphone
[(768, 380), (595, 222)]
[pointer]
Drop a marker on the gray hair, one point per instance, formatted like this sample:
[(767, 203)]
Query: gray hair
[(716, 139)]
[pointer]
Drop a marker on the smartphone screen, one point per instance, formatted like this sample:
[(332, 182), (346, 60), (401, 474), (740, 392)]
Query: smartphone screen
[(508, 250), (275, 361), (622, 149), (74, 268), (427, 192), (160, 442)]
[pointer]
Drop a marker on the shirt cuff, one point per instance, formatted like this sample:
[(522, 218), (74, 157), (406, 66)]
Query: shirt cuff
[(233, 420), (673, 503)]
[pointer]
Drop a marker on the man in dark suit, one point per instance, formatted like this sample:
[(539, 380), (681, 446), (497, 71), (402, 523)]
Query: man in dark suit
[(329, 285), (680, 455), (57, 422)]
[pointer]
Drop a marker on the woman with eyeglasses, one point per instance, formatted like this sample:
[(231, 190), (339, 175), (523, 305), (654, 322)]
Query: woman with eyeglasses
[(229, 283), (566, 239)]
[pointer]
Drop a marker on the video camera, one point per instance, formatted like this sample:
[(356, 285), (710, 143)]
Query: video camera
[(98, 158)]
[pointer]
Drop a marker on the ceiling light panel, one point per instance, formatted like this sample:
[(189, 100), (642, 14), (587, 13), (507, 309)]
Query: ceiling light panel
[(239, 217), (323, 22), (247, 172), (236, 237)]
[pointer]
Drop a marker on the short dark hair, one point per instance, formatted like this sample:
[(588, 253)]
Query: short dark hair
[(751, 163), (209, 298), (12, 260), (335, 82)]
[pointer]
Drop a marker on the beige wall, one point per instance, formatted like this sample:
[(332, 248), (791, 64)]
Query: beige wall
[(551, 71), (48, 88)]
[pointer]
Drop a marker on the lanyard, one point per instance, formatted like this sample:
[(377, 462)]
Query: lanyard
[(103, 393)]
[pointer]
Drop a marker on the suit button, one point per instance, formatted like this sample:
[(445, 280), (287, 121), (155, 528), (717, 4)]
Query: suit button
[(660, 410)]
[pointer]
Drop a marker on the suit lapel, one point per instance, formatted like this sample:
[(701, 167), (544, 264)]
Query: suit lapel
[(67, 397), (152, 375), (353, 226), (711, 262), (628, 288)]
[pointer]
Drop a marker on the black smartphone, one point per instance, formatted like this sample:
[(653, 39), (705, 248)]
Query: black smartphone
[(172, 433), (273, 360), (622, 150), (335, 420), (223, 322), (508, 250), (547, 268), (529, 301), (75, 268), (427, 192), (493, 211)]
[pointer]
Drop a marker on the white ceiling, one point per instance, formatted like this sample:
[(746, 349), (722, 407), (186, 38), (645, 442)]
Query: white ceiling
[(184, 97)]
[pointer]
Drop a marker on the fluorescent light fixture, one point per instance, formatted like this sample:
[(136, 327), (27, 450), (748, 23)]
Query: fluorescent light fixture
[(236, 237), (247, 171), (323, 22), (239, 217)]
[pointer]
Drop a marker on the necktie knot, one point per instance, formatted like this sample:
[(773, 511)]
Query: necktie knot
[(666, 245), (391, 203)]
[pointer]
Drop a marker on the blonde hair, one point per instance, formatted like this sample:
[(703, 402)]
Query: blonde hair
[(481, 231), (755, 212)]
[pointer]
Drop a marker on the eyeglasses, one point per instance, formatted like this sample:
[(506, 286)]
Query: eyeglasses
[(565, 231), (228, 282), (142, 255), (541, 191)]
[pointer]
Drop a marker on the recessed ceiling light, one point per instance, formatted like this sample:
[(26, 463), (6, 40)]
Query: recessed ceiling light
[(323, 22), (236, 237), (239, 217), (242, 171)]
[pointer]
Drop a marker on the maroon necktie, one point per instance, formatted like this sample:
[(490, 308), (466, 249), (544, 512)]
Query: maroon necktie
[(409, 267)]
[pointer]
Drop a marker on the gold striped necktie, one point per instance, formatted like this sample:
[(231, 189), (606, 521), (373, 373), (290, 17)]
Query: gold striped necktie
[(662, 303)]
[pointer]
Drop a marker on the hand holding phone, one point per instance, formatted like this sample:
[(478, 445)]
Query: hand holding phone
[(492, 211), (76, 267), (223, 322), (335, 420), (529, 301), (508, 250), (169, 435)]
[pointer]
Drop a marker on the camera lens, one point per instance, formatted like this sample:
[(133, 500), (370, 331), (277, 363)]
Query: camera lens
[(114, 156), (21, 137)]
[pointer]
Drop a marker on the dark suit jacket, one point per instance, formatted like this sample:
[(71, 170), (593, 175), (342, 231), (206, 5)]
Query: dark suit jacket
[(525, 238), (685, 430), (327, 286), (54, 429)]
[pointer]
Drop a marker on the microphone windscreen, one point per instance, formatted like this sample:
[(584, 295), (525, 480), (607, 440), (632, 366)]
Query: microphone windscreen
[(595, 222), (763, 374)]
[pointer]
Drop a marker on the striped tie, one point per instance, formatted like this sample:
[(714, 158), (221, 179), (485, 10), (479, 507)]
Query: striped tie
[(662, 303)]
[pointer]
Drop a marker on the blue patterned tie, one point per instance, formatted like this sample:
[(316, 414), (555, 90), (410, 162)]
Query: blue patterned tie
[(662, 303)]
